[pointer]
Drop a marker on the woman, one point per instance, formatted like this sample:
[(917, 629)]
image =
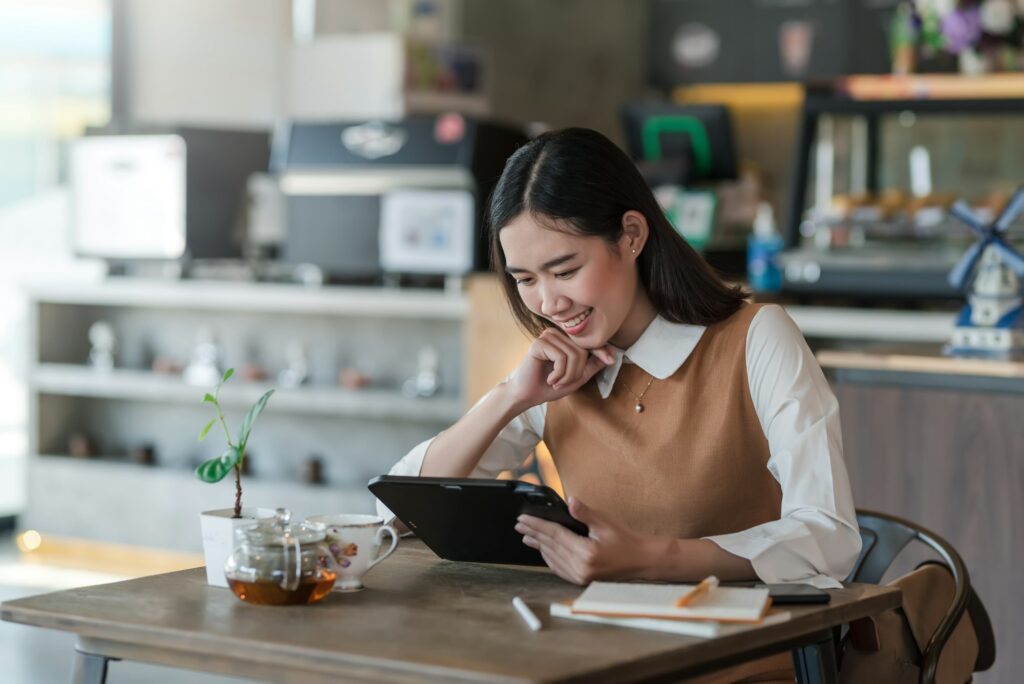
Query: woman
[(693, 433)]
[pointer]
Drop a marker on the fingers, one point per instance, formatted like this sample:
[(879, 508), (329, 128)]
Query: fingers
[(582, 559), (568, 360), (545, 530), (605, 353), (572, 365), (553, 561), (593, 366), (566, 548), (566, 562), (575, 359), (569, 564), (558, 363)]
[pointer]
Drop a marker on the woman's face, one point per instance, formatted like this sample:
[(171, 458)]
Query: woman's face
[(581, 284)]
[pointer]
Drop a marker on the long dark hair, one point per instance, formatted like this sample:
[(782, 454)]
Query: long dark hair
[(581, 177)]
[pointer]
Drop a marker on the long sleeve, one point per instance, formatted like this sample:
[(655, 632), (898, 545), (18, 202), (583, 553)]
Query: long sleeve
[(816, 540), (507, 452)]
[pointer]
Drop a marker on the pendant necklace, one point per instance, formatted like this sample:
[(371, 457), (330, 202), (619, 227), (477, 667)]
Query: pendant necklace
[(639, 407)]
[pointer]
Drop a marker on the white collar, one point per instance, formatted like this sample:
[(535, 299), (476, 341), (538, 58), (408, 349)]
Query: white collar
[(661, 350)]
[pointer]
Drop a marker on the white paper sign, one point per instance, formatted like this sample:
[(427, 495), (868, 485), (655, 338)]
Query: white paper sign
[(427, 231), (128, 196)]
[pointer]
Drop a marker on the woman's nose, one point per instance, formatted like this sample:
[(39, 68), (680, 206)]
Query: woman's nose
[(552, 302)]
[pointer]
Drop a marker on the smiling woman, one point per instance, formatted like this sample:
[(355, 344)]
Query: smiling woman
[(693, 432), (577, 183)]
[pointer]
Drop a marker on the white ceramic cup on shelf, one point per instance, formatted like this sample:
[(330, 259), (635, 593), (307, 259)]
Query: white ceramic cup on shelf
[(355, 540)]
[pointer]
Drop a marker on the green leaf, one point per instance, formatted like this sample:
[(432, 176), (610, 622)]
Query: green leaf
[(227, 374), (202, 435), (216, 469), (210, 398), (250, 418)]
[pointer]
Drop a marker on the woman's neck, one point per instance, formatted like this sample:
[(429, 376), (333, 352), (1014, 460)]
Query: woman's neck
[(639, 317)]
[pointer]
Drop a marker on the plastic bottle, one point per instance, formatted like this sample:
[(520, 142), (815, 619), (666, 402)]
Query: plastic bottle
[(763, 249)]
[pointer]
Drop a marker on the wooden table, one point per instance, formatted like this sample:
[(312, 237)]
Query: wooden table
[(419, 619)]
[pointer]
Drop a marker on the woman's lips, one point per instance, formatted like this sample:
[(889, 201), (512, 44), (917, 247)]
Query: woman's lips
[(577, 325)]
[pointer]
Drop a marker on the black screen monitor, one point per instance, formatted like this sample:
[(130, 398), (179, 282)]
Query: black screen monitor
[(680, 144)]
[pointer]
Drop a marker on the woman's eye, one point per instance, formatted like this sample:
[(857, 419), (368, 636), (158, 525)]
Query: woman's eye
[(524, 281), (567, 274)]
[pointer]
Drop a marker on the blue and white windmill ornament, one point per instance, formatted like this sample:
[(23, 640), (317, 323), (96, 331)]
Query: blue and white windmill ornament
[(992, 323)]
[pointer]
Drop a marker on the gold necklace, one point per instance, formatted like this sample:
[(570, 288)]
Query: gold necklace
[(639, 407)]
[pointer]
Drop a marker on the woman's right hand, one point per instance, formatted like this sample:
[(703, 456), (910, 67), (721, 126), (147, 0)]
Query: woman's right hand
[(556, 366)]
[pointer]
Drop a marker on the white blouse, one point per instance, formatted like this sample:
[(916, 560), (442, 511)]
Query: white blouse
[(817, 539)]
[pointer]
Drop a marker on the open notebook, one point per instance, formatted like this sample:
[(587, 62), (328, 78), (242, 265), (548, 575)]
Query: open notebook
[(624, 599)]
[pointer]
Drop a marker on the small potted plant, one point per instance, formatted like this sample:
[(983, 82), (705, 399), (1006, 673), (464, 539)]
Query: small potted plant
[(219, 526)]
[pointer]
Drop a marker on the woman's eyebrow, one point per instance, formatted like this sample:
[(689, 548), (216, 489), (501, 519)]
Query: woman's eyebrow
[(557, 261)]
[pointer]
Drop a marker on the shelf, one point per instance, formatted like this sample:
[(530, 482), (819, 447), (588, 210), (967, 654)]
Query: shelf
[(159, 507), (934, 87), (873, 324), (83, 381), (197, 295)]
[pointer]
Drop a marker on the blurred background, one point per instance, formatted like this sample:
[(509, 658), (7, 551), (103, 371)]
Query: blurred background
[(294, 189)]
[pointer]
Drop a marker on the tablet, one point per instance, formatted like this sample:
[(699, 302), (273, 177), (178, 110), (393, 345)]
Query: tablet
[(472, 519)]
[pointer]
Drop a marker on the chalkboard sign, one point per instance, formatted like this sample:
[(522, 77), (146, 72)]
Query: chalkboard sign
[(702, 41)]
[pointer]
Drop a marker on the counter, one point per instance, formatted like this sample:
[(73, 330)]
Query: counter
[(923, 365), (940, 441)]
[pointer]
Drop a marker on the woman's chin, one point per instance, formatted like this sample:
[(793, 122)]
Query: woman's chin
[(590, 340)]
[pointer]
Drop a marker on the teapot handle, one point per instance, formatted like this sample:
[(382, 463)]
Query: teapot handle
[(290, 582)]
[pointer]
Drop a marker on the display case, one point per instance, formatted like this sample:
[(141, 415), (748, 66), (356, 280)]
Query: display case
[(879, 161)]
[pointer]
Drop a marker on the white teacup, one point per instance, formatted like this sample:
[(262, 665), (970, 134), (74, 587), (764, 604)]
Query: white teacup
[(354, 541)]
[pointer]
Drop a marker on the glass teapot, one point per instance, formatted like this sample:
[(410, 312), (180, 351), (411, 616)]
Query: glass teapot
[(277, 562)]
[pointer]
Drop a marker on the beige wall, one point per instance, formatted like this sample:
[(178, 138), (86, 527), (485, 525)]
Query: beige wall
[(207, 63), (568, 63)]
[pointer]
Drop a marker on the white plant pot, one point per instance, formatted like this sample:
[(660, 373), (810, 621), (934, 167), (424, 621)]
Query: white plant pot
[(219, 538)]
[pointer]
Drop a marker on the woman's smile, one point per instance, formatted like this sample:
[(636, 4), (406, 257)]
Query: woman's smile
[(577, 324)]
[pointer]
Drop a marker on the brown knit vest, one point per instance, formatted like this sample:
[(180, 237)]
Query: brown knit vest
[(692, 464)]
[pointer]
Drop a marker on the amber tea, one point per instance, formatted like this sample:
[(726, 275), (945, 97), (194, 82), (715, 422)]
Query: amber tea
[(270, 593)]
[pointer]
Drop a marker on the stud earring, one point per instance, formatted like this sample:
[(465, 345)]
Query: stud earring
[(634, 251)]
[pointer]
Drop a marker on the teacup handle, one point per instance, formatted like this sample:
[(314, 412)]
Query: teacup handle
[(394, 544)]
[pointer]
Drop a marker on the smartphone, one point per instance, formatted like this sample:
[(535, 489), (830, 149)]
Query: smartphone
[(789, 594), (783, 594)]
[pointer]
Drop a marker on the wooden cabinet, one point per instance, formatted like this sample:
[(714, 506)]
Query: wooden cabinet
[(945, 450)]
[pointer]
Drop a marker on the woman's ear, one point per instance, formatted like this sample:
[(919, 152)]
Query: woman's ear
[(634, 233)]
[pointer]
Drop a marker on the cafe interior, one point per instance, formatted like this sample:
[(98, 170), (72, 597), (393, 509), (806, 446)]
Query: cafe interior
[(213, 213)]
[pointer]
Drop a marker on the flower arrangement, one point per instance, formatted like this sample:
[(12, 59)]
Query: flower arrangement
[(983, 35)]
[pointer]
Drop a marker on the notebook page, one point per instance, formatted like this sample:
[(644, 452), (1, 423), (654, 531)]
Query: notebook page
[(659, 600)]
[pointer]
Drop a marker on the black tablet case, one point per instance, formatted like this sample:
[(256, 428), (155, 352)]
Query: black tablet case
[(472, 519)]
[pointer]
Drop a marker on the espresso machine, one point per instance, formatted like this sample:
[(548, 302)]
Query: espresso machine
[(370, 201)]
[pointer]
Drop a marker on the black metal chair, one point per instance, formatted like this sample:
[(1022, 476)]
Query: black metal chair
[(884, 537)]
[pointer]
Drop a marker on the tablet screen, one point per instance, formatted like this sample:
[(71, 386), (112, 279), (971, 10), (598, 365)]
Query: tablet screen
[(468, 519)]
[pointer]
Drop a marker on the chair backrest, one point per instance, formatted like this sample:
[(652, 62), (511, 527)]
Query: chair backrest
[(884, 536)]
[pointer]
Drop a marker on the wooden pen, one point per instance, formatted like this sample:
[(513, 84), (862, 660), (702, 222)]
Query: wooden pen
[(705, 586)]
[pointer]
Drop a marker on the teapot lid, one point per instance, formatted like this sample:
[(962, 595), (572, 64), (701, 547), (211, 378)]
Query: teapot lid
[(280, 531)]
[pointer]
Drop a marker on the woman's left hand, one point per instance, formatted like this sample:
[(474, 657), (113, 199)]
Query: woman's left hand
[(609, 552)]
